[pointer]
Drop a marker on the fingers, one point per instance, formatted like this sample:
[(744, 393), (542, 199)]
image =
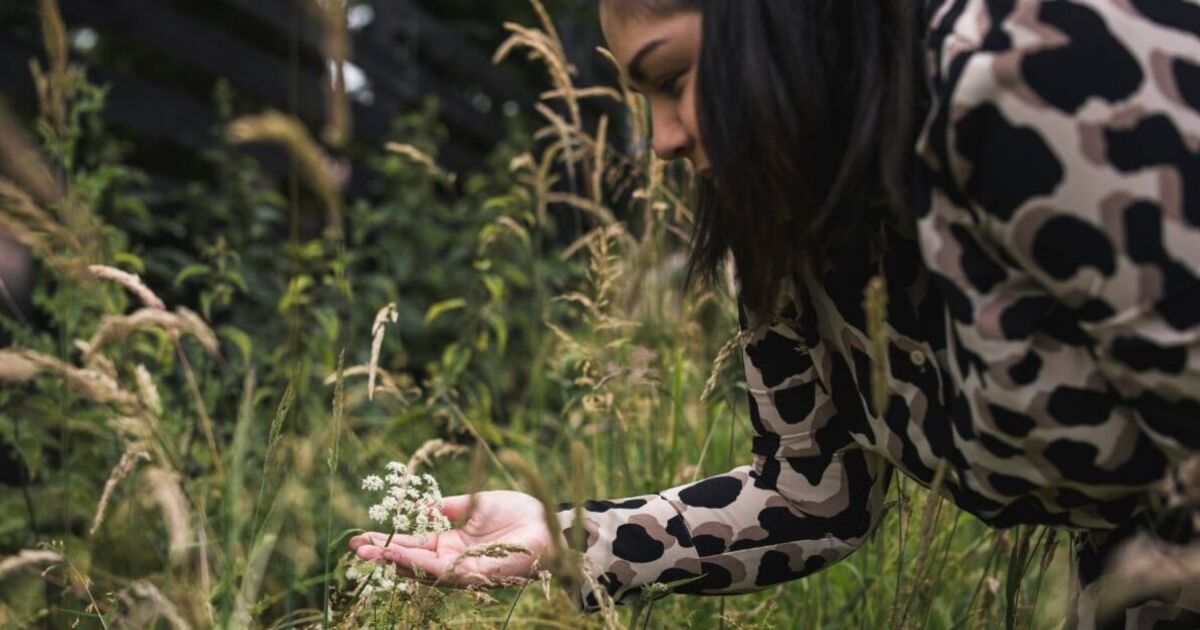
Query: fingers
[(379, 539), (427, 562), (457, 508)]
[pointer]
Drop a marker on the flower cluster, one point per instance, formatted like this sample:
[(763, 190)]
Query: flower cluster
[(411, 503), (378, 578)]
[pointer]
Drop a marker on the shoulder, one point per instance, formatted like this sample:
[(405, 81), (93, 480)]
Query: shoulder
[(1064, 135)]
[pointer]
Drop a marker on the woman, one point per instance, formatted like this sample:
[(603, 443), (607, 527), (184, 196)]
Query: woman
[(1040, 248)]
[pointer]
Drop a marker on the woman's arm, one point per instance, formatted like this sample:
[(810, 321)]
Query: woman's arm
[(810, 498), (1067, 142)]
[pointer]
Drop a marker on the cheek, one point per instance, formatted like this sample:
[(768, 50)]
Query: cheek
[(689, 112)]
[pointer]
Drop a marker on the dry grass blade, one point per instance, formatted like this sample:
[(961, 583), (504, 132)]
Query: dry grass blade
[(53, 92), (581, 93), (598, 161), (434, 449), (494, 551), (164, 489), (288, 132), (128, 460), (21, 160), (118, 327), (386, 314), (23, 211), (151, 606), (147, 391), (557, 559), (130, 281), (598, 211), (26, 559), (21, 366), (875, 304), (339, 412), (425, 160), (337, 51), (722, 358)]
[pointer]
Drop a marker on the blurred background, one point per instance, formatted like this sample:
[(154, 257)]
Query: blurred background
[(177, 70)]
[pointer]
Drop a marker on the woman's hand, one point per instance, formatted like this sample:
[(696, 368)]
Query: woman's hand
[(505, 517)]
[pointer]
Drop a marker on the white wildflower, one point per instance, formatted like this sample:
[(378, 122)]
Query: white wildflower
[(413, 503), (378, 513)]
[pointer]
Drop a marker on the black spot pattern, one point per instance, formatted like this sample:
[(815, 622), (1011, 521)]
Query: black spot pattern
[(1027, 370), (1156, 141), (997, 447), (709, 545), (1065, 245), (796, 403), (1016, 166), (1071, 406), (716, 577), (1174, 14), (777, 359), (1011, 422), (678, 529), (1010, 485), (1091, 64), (717, 492), (1176, 418), (1024, 316), (673, 575), (1187, 79), (604, 506), (775, 568), (981, 270), (633, 543), (1143, 223), (1077, 460), (1142, 354)]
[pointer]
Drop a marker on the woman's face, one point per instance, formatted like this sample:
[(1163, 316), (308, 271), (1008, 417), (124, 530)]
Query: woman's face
[(660, 56)]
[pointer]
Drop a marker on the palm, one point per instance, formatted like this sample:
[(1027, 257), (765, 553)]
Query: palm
[(499, 517)]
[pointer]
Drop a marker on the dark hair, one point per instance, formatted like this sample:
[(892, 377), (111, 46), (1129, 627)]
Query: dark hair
[(808, 113)]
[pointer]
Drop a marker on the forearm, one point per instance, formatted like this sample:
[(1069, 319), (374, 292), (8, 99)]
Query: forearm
[(733, 533)]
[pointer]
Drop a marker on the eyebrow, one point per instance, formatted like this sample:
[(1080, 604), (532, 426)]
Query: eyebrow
[(636, 73)]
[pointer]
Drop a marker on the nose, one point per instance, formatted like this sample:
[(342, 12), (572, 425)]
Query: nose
[(671, 139)]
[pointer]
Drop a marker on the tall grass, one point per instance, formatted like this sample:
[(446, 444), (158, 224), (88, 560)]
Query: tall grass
[(157, 497)]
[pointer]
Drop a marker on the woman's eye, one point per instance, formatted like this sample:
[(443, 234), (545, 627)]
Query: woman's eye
[(673, 85)]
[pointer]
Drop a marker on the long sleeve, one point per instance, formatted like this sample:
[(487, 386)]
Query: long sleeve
[(810, 498), (1065, 223)]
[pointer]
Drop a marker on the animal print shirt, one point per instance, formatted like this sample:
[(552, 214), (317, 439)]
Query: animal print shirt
[(1043, 332)]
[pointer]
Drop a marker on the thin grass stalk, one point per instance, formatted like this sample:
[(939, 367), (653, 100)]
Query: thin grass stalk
[(234, 487), (933, 502), (901, 507), (1050, 543), (339, 407), (206, 423), (286, 131), (54, 35), (281, 414)]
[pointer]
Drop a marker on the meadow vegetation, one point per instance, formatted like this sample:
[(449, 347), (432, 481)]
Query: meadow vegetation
[(191, 422)]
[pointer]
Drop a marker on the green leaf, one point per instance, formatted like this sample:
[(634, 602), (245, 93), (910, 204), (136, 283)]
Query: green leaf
[(239, 339), (191, 271), (441, 308), (337, 540), (131, 261)]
